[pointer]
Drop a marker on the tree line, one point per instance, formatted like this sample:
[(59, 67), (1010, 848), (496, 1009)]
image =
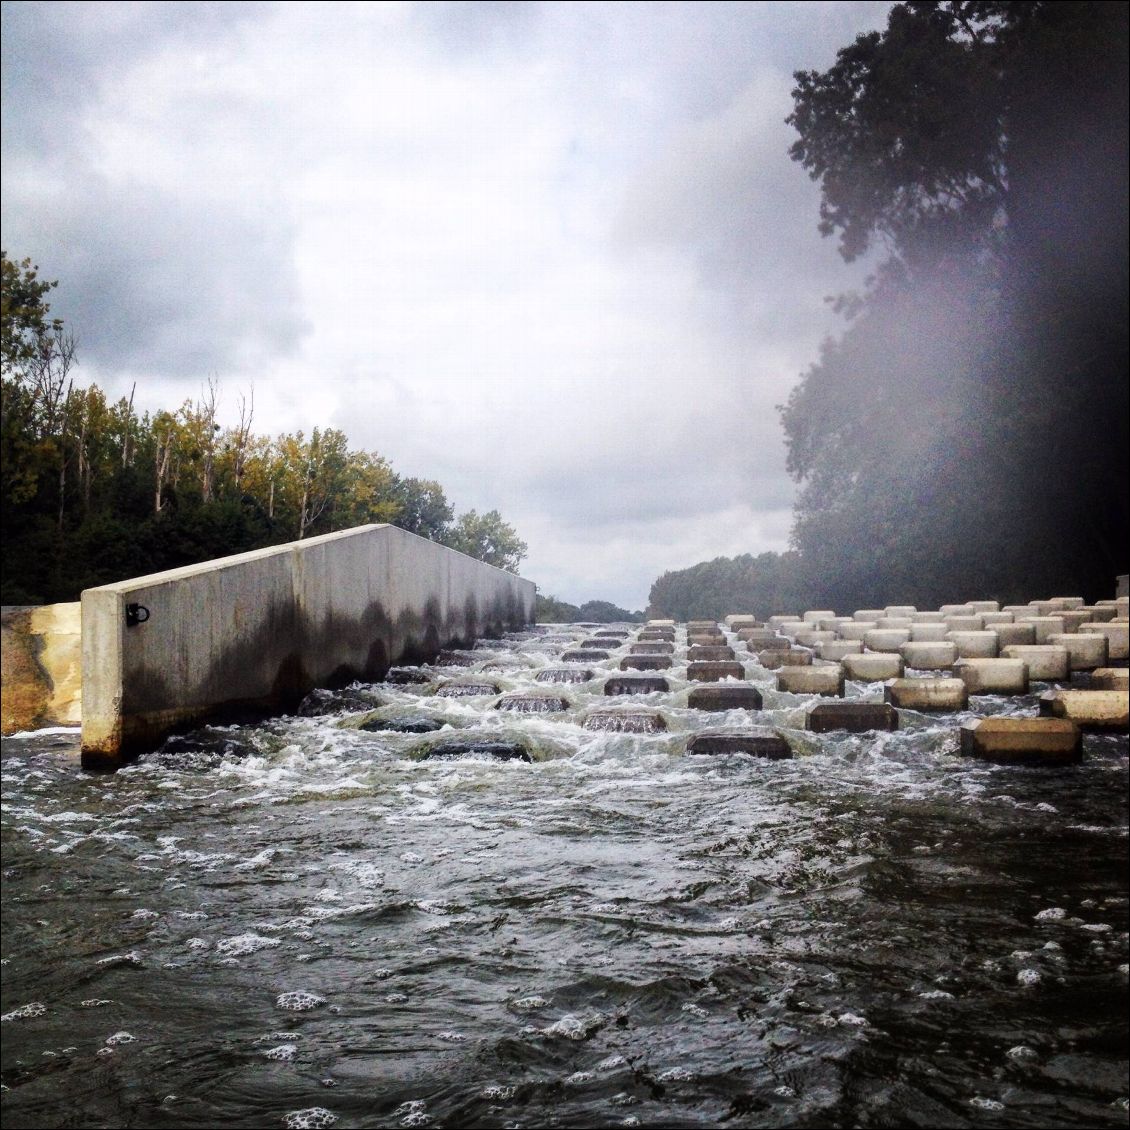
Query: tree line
[(969, 431), (94, 491)]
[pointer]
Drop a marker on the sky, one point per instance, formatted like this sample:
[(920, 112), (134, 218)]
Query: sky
[(555, 255)]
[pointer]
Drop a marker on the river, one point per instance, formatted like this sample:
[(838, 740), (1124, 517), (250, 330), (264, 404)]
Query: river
[(301, 923)]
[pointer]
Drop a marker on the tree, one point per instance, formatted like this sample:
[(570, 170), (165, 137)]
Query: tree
[(488, 538), (945, 443), (423, 508)]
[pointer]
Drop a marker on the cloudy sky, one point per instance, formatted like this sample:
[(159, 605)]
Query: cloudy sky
[(553, 255)]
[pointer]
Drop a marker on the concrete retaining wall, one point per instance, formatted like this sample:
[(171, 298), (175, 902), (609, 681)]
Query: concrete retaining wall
[(42, 667), (257, 631)]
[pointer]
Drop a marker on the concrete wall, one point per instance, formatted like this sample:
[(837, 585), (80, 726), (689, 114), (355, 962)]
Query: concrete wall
[(42, 667), (255, 632)]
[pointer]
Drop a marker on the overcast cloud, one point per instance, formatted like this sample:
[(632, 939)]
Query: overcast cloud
[(553, 255)]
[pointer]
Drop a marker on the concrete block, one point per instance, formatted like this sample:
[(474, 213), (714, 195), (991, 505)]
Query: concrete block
[(635, 684), (857, 629), (710, 626), (600, 644), (1021, 613), (927, 694), (665, 634), (1040, 741), (612, 634), (812, 638), (812, 680), (899, 610), (257, 631), (1100, 614), (652, 647), (705, 639), (854, 717), (1073, 619), (791, 627), (863, 614), (476, 748), (886, 639), (1117, 638), (1045, 661), (404, 676), (1110, 679), (661, 623), (819, 614), (833, 623), (929, 656), (895, 623), (563, 675), (1045, 607), (756, 635), (742, 620), (1020, 633), (625, 722), (532, 703), (928, 618), (1047, 626), (992, 619), (777, 643), (712, 672), (776, 659), (709, 652), (1068, 601), (1087, 650), (646, 663), (871, 667), (964, 623), (584, 655), (928, 633), (743, 696), (1092, 710), (835, 650), (985, 605), (975, 645), (947, 610), (467, 688), (993, 676), (758, 741), (778, 618)]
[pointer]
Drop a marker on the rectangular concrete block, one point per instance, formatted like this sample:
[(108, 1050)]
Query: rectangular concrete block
[(811, 680), (713, 672), (872, 614), (898, 623), (992, 619), (853, 717), (1045, 661), (857, 629), (932, 656), (928, 633), (1047, 626), (757, 741), (742, 620), (1087, 650), (1021, 612), (1073, 619), (873, 667), (965, 623), (811, 638), (993, 676), (948, 610), (927, 694), (929, 618), (975, 645), (257, 631), (661, 623), (1022, 633), (709, 652), (792, 657), (1068, 601), (985, 605), (759, 635), (886, 639), (1041, 741), (1101, 613), (779, 618), (1117, 638), (899, 610), (1091, 710), (1110, 679), (835, 650), (818, 614)]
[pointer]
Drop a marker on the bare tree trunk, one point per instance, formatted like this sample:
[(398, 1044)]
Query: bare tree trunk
[(127, 453)]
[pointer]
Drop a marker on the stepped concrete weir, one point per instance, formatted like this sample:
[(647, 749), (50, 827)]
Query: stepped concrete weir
[(255, 632)]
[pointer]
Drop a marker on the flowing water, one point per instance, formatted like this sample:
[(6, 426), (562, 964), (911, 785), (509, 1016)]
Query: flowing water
[(303, 923)]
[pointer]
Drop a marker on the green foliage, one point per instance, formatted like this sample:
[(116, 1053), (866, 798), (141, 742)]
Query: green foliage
[(603, 612), (488, 538), (94, 493), (550, 610), (763, 586), (946, 444)]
